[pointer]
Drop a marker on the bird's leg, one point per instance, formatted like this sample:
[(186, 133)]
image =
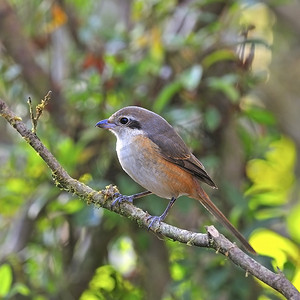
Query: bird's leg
[(121, 198), (160, 218)]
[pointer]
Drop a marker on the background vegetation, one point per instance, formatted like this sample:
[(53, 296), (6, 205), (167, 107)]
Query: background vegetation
[(224, 73)]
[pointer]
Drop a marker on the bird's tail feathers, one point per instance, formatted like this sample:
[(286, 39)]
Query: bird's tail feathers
[(211, 207)]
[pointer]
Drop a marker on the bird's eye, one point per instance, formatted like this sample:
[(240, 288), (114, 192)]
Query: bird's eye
[(124, 120)]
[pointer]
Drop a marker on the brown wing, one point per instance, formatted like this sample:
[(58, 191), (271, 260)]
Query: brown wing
[(192, 165), (173, 149)]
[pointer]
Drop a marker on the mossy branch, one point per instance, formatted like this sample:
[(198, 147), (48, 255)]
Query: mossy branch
[(212, 239)]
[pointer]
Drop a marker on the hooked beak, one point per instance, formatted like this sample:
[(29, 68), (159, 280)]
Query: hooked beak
[(105, 124)]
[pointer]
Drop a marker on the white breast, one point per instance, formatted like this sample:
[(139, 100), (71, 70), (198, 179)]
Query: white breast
[(134, 162)]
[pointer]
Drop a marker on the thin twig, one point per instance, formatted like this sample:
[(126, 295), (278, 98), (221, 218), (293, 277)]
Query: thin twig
[(38, 110)]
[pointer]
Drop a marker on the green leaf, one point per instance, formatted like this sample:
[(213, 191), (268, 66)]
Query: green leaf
[(5, 279), (282, 251), (166, 95), (293, 222), (20, 288), (177, 271), (270, 243), (212, 118), (219, 55), (273, 176), (191, 77), (260, 115), (189, 80), (225, 84)]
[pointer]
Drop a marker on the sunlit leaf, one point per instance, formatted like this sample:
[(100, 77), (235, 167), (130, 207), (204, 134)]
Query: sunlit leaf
[(280, 249), (107, 282), (156, 47), (296, 278), (90, 295), (273, 176), (293, 223), (5, 279), (86, 178), (177, 271), (270, 243), (104, 279)]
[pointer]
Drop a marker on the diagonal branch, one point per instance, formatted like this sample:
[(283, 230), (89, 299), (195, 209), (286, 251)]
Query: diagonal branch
[(213, 239)]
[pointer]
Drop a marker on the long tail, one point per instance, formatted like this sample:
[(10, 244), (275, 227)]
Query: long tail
[(210, 206)]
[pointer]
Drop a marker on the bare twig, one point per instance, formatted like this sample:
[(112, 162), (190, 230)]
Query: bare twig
[(213, 239), (38, 110)]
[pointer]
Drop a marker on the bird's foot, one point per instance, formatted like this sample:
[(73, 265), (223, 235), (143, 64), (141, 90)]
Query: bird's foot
[(153, 219), (121, 198)]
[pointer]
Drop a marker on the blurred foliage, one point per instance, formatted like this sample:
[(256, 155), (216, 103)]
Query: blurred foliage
[(200, 64), (272, 177), (107, 283)]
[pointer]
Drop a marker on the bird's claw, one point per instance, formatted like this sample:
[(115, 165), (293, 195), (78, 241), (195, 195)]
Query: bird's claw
[(121, 198), (153, 219)]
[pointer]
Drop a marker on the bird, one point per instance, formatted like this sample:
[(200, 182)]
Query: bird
[(153, 154)]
